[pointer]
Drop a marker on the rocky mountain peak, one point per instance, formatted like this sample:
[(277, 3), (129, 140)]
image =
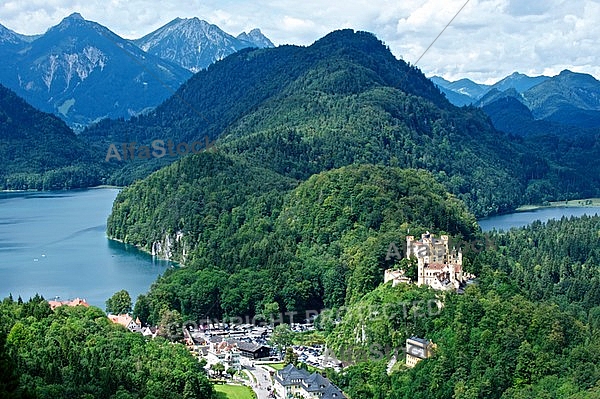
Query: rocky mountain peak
[(195, 44)]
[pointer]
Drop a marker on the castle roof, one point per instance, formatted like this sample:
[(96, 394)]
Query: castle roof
[(290, 375), (122, 319)]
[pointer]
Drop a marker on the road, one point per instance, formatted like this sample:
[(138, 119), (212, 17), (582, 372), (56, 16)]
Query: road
[(263, 382)]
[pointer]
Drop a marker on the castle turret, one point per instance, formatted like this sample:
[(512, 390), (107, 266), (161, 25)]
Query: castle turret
[(409, 246)]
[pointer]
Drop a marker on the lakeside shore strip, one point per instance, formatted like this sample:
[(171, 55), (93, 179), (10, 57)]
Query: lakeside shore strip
[(100, 187), (574, 203)]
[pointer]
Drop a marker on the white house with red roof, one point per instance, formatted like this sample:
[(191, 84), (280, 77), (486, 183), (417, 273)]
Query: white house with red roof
[(126, 321)]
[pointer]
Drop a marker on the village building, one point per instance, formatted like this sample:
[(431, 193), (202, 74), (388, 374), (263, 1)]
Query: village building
[(291, 382), (225, 353), (126, 321), (195, 342), (149, 332), (418, 349), (253, 351)]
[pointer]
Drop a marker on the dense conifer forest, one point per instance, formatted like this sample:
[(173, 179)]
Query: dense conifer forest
[(528, 329), (40, 152)]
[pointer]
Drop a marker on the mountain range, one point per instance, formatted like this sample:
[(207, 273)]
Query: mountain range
[(568, 99), (195, 44), (346, 99), (460, 92), (465, 91), (83, 72)]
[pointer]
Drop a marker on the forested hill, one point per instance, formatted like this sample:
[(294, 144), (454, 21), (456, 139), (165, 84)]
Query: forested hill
[(343, 100), (216, 98), (529, 329), (39, 151), (77, 352), (254, 244)]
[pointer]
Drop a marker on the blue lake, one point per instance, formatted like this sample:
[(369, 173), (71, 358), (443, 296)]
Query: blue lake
[(519, 219), (55, 244)]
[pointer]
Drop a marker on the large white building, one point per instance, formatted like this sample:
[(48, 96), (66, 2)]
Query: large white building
[(225, 353), (291, 382)]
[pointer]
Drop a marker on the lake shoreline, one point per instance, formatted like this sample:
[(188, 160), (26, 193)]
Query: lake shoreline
[(174, 263), (544, 214), (102, 186), (56, 245), (575, 203)]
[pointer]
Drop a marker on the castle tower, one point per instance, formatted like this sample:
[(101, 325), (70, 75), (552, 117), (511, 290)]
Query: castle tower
[(444, 239), (409, 246), (420, 271)]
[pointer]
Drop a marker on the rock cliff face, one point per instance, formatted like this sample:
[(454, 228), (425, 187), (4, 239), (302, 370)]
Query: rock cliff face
[(171, 247)]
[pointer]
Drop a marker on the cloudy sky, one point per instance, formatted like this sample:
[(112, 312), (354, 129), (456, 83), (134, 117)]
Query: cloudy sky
[(488, 40)]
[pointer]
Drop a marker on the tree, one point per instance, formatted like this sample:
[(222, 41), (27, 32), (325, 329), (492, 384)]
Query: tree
[(218, 368), (271, 310), (9, 380), (282, 337), (231, 371), (290, 357), (410, 268), (171, 325), (119, 303), (142, 308), (76, 352)]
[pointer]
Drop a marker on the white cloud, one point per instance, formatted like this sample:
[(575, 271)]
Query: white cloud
[(487, 41), (292, 24)]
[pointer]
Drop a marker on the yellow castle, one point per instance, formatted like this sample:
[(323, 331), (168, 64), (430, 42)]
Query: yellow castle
[(437, 266)]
